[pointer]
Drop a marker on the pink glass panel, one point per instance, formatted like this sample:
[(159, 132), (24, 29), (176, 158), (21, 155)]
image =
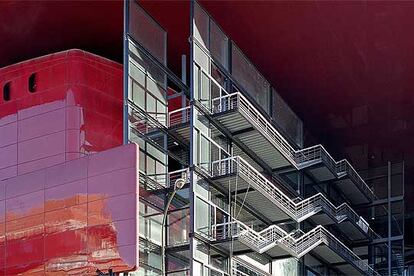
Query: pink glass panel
[(68, 190)]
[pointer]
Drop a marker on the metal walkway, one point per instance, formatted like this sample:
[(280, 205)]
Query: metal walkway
[(238, 176), (240, 267), (241, 118), (246, 123), (276, 242)]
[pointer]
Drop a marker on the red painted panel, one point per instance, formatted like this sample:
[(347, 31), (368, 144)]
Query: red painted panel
[(66, 172), (61, 210), (8, 134), (55, 195), (72, 227), (76, 109)]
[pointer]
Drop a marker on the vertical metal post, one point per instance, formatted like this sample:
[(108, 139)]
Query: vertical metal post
[(389, 218), (370, 255), (184, 69), (403, 213), (192, 141), (184, 80), (126, 73), (301, 190)]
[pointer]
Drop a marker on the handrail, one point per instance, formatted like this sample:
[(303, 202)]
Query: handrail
[(240, 267), (297, 243), (322, 235), (164, 180), (237, 100), (299, 158), (152, 183), (179, 116), (298, 210), (174, 175)]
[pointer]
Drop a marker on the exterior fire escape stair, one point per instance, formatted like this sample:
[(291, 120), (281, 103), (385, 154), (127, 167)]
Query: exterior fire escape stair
[(237, 115), (235, 174), (273, 240)]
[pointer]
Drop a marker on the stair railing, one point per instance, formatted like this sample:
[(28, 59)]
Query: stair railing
[(298, 210), (297, 243), (301, 158)]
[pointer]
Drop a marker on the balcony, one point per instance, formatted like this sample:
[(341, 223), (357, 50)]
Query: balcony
[(161, 181), (153, 128), (248, 125), (178, 122), (236, 175), (240, 267), (244, 121), (238, 237)]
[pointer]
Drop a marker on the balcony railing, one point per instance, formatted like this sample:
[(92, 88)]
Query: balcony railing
[(179, 116), (296, 243), (240, 267), (162, 180), (236, 100), (299, 243), (299, 158), (299, 210)]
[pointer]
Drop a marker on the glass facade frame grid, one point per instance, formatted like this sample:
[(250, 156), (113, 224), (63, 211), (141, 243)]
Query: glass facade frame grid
[(211, 60)]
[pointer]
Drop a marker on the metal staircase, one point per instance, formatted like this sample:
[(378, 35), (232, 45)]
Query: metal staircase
[(296, 243), (221, 107), (297, 210), (300, 159)]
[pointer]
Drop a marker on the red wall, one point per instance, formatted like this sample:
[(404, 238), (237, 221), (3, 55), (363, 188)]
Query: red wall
[(74, 217), (64, 209), (76, 109)]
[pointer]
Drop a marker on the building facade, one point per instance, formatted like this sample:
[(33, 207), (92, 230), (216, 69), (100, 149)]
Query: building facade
[(140, 172), (257, 201)]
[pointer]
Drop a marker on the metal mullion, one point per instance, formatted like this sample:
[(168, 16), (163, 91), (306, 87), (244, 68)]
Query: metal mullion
[(126, 73)]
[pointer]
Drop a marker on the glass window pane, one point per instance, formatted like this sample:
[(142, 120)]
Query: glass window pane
[(201, 252), (142, 162), (161, 173), (205, 90), (136, 73), (156, 90), (201, 25), (250, 79), (161, 168), (178, 227), (151, 104), (138, 95), (159, 155), (202, 59), (147, 32), (155, 228), (219, 44), (198, 268), (286, 118), (150, 166), (202, 216), (205, 153)]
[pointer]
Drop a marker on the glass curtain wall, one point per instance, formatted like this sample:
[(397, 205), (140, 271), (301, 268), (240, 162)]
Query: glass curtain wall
[(210, 59), (206, 149), (146, 96), (387, 213), (148, 84)]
